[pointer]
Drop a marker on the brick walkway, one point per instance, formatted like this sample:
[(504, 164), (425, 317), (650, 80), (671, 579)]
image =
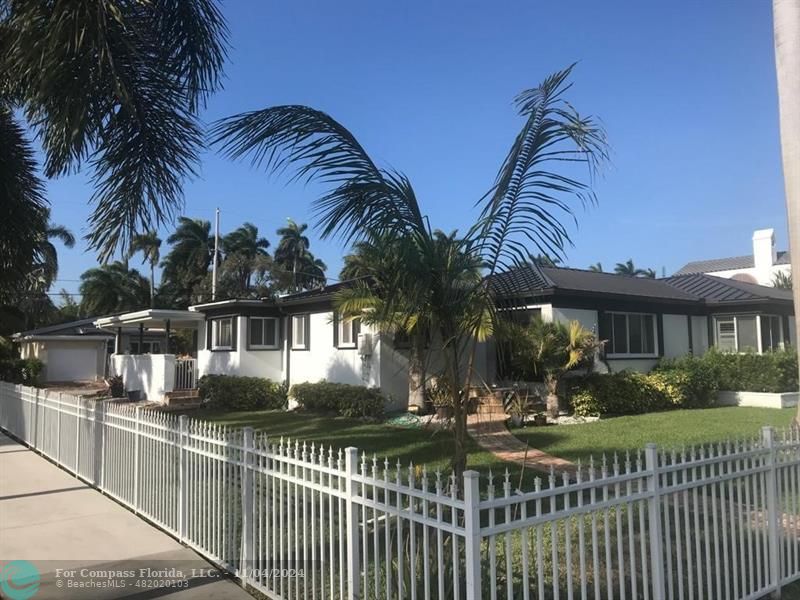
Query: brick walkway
[(491, 433)]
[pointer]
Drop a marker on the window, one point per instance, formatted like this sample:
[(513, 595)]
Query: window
[(263, 333), (630, 334), (771, 333), (147, 348), (740, 333), (222, 334), (300, 332), (346, 333)]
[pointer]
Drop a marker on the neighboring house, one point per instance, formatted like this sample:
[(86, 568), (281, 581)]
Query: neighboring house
[(643, 320), (71, 352), (761, 267)]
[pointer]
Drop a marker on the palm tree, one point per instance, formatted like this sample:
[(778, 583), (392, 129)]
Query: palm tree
[(244, 242), (47, 268), (629, 270), (149, 244), (115, 87), (782, 280), (292, 253), (522, 208), (543, 260), (648, 273), (787, 62), (188, 260), (112, 288), (596, 267)]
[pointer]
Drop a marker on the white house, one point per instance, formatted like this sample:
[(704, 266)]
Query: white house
[(761, 267)]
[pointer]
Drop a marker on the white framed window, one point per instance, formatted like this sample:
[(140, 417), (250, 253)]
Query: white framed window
[(748, 333), (631, 335), (346, 332), (263, 333), (300, 332), (222, 334)]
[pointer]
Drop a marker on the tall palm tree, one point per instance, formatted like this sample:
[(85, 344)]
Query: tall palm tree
[(628, 269), (114, 87), (112, 288), (543, 260), (244, 242), (786, 14), (596, 267), (292, 250), (522, 208), (45, 269), (189, 258), (149, 244)]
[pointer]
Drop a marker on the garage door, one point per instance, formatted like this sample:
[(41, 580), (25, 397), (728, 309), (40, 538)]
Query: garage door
[(71, 364)]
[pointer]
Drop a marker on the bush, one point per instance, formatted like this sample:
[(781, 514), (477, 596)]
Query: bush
[(341, 398), (770, 372), (241, 393), (21, 370)]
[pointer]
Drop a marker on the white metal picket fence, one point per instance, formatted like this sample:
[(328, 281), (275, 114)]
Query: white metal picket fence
[(302, 521)]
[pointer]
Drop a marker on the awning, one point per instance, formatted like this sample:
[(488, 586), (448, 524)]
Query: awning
[(152, 318)]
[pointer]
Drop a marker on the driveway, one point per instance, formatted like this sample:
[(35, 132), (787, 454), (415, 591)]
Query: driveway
[(85, 545)]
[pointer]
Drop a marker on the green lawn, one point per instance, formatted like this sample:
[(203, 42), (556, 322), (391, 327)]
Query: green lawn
[(433, 448), (671, 429)]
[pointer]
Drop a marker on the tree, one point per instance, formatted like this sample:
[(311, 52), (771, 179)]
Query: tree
[(245, 243), (543, 260), (149, 244), (596, 267), (787, 63), (45, 268), (553, 348), (188, 260), (293, 257), (114, 86), (782, 280), (628, 269), (521, 209), (113, 288)]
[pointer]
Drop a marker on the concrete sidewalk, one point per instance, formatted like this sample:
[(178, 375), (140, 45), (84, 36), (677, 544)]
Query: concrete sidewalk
[(55, 521)]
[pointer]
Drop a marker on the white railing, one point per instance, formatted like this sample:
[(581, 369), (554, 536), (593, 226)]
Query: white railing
[(299, 521), (185, 373)]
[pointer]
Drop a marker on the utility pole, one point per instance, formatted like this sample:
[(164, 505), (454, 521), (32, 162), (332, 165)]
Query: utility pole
[(214, 263)]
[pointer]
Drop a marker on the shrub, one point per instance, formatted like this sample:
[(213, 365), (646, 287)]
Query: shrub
[(116, 387), (21, 370), (241, 393), (622, 393), (769, 372), (346, 400)]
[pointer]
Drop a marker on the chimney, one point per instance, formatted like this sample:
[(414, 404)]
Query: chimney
[(764, 253)]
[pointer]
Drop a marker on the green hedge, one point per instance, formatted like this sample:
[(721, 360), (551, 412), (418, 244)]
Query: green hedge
[(346, 400), (21, 370), (769, 372), (241, 393), (628, 393)]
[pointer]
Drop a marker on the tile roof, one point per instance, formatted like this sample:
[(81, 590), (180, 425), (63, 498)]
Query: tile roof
[(721, 290), (726, 264)]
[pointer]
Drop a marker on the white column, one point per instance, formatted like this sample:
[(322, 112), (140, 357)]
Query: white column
[(472, 534), (353, 554), (655, 523)]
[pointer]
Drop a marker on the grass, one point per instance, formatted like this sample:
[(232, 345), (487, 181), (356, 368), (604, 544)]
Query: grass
[(670, 429)]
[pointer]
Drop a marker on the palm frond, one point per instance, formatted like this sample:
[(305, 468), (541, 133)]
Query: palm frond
[(317, 147), (529, 199)]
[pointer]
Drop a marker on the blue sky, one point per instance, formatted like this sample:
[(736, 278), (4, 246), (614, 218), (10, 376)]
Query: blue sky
[(686, 91)]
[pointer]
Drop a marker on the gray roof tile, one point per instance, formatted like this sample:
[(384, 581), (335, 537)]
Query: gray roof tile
[(726, 264)]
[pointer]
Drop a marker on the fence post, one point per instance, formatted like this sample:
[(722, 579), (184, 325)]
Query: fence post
[(100, 442), (353, 554), (58, 430), (77, 434), (655, 524), (768, 439), (247, 506), (183, 492), (136, 446), (472, 534)]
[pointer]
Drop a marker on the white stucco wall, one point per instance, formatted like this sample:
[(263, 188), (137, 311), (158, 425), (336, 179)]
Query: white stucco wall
[(153, 375), (77, 360), (242, 361), (324, 361), (762, 276)]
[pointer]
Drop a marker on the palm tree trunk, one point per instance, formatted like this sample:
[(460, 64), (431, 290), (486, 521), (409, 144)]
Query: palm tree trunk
[(416, 372), (152, 285), (786, 14)]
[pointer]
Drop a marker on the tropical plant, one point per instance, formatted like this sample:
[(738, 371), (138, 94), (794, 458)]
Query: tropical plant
[(245, 244), (596, 267), (553, 348), (115, 86), (628, 269), (544, 260), (187, 263), (782, 280), (295, 260), (522, 209), (113, 288), (149, 244), (786, 14)]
